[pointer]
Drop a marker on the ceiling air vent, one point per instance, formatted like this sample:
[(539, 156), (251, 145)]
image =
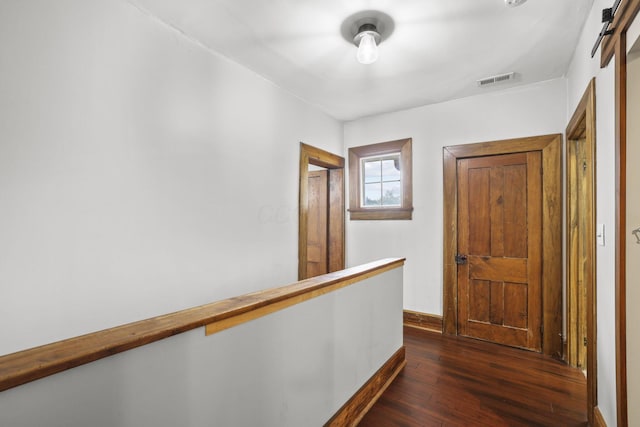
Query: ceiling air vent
[(496, 79)]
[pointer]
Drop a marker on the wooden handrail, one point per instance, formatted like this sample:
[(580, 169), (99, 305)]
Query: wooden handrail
[(38, 362)]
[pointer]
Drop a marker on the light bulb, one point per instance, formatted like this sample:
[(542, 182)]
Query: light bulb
[(367, 49)]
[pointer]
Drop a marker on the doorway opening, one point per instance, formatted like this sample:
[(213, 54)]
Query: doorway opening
[(321, 246), (581, 244)]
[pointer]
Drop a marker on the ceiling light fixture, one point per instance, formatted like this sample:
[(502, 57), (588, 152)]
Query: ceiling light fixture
[(367, 41), (366, 30), (514, 3)]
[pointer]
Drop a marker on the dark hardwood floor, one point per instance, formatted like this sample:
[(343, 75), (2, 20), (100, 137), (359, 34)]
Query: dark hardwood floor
[(456, 381)]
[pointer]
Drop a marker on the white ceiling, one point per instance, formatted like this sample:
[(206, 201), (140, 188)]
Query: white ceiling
[(437, 51)]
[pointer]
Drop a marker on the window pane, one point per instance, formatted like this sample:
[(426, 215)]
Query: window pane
[(391, 169), (372, 194), (372, 172), (391, 193)]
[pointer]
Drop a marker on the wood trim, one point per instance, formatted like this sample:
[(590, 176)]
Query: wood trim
[(303, 210), (32, 364), (380, 214), (416, 319), (577, 124), (537, 314), (450, 224), (336, 241), (322, 158), (571, 282), (592, 290), (550, 146), (400, 213), (582, 126), (552, 248), (598, 419), (290, 298), (620, 229), (352, 412)]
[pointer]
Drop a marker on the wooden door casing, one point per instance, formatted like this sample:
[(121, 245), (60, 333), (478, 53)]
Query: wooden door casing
[(499, 231)]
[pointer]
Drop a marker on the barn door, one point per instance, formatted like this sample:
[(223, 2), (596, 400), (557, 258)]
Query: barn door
[(499, 249)]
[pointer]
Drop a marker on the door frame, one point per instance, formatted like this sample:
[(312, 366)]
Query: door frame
[(582, 126), (335, 222), (550, 148)]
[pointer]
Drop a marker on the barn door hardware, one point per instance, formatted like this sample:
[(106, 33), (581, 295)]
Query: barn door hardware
[(607, 19)]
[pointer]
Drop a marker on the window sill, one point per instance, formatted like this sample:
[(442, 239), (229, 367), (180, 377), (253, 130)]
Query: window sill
[(381, 214)]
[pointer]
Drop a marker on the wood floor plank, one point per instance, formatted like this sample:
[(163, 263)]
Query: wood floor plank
[(457, 381)]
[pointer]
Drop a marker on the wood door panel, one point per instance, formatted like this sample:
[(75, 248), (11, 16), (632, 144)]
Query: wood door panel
[(497, 211), (480, 293), (499, 160), (499, 230), (498, 269), (515, 203), (480, 223), (516, 312), (315, 253), (489, 303), (497, 303), (514, 337)]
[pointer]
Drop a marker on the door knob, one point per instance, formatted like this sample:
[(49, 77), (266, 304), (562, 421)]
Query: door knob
[(461, 259)]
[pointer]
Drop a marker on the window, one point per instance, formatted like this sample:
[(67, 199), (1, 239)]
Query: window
[(380, 181)]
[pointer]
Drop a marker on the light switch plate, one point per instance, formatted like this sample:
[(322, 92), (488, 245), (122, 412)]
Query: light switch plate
[(600, 234)]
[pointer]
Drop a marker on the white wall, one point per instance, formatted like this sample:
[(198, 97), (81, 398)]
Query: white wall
[(519, 112), (581, 70), (295, 367), (139, 173)]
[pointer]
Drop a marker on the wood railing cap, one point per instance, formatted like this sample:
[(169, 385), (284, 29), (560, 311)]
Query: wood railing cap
[(38, 362)]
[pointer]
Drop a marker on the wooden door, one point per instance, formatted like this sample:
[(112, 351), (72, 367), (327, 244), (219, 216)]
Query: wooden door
[(317, 229), (500, 234)]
